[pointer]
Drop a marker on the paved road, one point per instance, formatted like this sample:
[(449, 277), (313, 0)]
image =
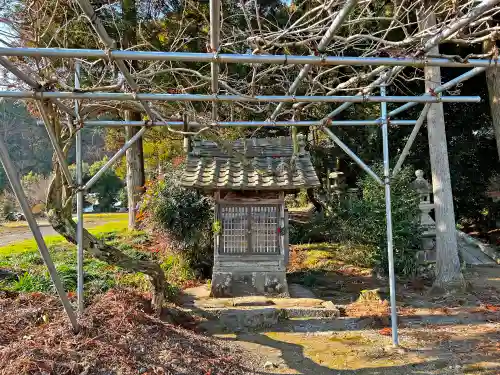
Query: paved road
[(11, 235)]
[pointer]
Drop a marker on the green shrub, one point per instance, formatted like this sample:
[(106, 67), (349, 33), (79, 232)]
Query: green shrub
[(318, 229), (184, 217), (177, 269), (68, 275), (362, 221), (297, 200), (367, 220)]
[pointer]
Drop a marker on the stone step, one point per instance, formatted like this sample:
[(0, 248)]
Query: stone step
[(251, 318)]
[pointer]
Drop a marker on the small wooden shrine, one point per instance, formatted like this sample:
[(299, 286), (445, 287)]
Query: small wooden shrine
[(249, 183)]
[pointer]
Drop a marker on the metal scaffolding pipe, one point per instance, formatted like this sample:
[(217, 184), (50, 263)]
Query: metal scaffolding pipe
[(242, 58), (110, 43), (7, 64), (388, 216), (471, 73), (377, 82), (114, 158), (79, 202), (214, 46), (428, 45), (14, 180), (400, 109), (353, 156), (236, 98), (96, 24), (410, 140), (330, 33), (222, 124)]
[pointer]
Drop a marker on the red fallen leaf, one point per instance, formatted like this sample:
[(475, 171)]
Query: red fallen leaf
[(71, 294), (386, 331), (492, 308)]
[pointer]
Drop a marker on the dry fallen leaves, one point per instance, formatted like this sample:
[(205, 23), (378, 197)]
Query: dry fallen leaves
[(118, 334)]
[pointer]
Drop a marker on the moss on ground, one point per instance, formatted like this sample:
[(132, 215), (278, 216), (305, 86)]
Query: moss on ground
[(331, 255), (338, 351)]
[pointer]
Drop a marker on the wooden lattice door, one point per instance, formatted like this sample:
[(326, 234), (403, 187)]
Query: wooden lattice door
[(250, 229)]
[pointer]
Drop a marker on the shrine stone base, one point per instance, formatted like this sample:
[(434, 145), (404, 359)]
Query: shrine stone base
[(240, 283)]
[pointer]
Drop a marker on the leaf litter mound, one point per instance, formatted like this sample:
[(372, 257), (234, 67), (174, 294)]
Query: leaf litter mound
[(119, 336)]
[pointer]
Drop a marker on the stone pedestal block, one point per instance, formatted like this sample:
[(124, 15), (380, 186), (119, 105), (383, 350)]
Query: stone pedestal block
[(240, 283)]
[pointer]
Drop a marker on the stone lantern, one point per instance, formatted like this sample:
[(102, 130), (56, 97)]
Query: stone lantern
[(423, 188)]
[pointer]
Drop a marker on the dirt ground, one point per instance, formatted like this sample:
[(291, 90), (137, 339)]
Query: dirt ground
[(449, 349), (457, 334)]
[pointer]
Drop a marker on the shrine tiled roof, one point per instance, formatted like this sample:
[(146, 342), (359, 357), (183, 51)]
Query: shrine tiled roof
[(251, 164)]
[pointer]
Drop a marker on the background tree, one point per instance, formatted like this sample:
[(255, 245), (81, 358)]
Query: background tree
[(136, 177), (107, 188), (36, 186), (493, 82)]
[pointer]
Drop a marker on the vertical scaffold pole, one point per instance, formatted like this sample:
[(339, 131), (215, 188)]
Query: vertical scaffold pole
[(215, 24), (14, 180), (388, 214), (79, 199)]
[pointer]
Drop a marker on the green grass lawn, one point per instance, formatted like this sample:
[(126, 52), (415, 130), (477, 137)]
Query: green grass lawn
[(28, 273), (24, 246), (88, 219)]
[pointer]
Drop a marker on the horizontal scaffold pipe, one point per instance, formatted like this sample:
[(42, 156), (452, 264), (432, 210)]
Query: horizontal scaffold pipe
[(236, 98), (442, 88), (242, 58), (223, 124)]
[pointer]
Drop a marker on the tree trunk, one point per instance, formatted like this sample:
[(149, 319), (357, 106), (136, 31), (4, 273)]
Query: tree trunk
[(316, 203), (135, 171), (66, 227), (493, 83), (59, 211), (448, 273), (59, 215), (136, 178)]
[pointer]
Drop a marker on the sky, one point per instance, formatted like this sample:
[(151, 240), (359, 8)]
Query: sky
[(4, 33)]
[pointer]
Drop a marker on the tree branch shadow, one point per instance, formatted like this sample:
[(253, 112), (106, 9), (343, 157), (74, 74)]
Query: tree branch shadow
[(294, 358)]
